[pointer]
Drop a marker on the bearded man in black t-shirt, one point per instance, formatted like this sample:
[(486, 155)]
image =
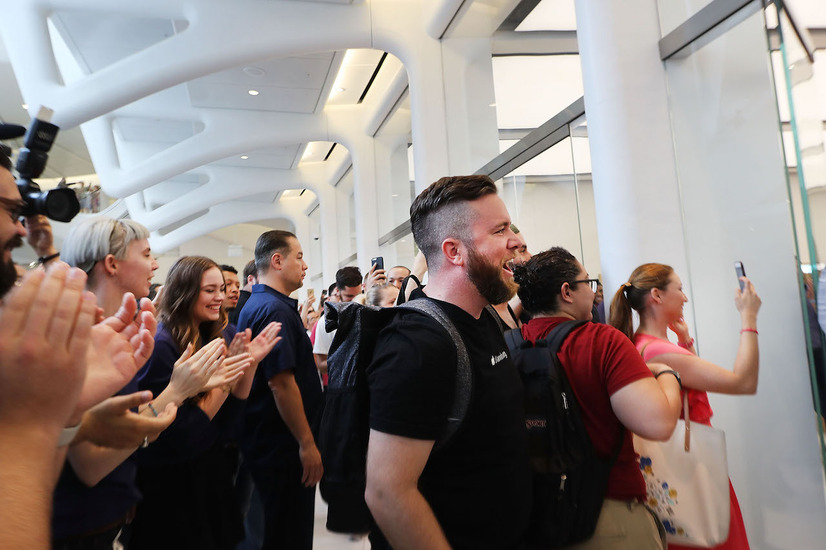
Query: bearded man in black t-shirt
[(475, 492)]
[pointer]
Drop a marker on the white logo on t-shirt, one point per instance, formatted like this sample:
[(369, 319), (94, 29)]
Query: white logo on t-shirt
[(497, 358)]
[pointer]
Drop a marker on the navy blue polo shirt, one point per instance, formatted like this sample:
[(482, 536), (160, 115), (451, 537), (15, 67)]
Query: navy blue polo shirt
[(265, 434)]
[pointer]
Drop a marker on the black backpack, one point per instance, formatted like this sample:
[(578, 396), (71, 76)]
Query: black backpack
[(345, 422), (569, 479)]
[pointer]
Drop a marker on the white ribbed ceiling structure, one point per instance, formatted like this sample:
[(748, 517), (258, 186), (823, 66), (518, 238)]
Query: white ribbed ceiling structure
[(202, 114)]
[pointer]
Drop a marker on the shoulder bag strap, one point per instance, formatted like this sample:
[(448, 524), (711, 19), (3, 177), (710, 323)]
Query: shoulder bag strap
[(464, 375)]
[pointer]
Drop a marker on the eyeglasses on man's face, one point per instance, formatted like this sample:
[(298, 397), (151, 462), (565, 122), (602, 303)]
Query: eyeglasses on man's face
[(13, 207), (593, 283)]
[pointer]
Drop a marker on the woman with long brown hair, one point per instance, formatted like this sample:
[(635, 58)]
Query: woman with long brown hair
[(196, 456), (655, 292)]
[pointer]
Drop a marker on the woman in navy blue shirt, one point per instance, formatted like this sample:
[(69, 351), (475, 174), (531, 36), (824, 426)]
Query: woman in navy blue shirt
[(186, 476)]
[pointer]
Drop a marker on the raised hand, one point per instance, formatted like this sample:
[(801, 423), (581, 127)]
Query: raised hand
[(113, 424), (120, 345), (747, 300), (262, 345), (45, 327), (680, 328), (229, 372), (374, 277), (191, 373)]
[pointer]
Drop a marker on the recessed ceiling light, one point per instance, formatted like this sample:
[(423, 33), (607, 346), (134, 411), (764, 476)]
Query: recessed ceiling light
[(253, 92), (395, 194), (339, 90), (492, 105), (244, 157), (25, 106), (254, 71)]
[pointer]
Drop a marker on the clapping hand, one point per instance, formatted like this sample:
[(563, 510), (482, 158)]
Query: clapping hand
[(262, 345), (44, 334), (119, 346), (113, 424)]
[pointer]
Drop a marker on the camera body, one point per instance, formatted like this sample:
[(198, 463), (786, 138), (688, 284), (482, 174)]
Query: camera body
[(59, 204)]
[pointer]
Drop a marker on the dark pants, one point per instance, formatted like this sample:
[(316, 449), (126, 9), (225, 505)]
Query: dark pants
[(289, 507)]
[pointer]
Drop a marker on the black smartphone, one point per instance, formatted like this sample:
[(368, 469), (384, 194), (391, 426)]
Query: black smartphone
[(741, 272), (378, 261)]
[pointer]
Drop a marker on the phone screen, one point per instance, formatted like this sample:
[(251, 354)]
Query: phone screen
[(741, 272)]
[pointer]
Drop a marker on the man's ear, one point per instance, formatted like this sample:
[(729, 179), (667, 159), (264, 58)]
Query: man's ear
[(110, 264), (454, 251), (275, 261)]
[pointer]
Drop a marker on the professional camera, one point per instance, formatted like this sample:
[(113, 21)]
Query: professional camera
[(59, 204)]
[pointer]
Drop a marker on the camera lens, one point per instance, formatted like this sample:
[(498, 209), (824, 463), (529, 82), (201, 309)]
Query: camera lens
[(60, 204)]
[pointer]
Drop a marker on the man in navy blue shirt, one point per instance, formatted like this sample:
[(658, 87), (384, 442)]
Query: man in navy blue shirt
[(284, 403)]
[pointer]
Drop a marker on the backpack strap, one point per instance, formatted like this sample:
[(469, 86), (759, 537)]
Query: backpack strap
[(404, 293), (464, 375), (554, 341), (499, 322), (514, 339)]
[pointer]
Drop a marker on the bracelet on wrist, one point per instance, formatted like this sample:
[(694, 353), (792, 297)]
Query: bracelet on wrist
[(152, 408), (670, 371), (43, 260), (754, 330), (686, 345)]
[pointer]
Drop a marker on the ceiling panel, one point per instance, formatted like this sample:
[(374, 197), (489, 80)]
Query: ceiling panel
[(232, 96), (154, 130), (274, 157), (100, 39), (316, 151), (356, 70)]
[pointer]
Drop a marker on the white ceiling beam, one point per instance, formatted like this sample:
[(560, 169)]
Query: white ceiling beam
[(285, 28)]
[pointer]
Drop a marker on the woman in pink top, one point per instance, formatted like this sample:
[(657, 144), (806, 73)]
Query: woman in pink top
[(656, 293)]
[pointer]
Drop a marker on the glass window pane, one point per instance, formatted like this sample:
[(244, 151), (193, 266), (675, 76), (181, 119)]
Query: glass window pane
[(531, 89)]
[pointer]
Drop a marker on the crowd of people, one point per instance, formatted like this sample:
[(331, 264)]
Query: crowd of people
[(127, 422)]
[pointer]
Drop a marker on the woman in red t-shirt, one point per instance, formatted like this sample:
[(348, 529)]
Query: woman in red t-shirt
[(656, 293)]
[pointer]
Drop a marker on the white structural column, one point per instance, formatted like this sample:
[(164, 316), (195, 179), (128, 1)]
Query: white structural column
[(451, 94), (470, 103), (366, 203), (635, 180), (329, 240), (452, 108), (694, 177)]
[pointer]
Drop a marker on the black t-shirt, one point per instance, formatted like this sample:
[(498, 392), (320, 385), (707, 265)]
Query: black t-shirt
[(479, 485)]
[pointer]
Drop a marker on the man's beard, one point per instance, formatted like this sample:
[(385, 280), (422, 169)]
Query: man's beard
[(487, 278), (8, 274)]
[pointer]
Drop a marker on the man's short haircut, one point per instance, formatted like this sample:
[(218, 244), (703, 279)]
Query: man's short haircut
[(348, 276), (401, 267), (91, 240), (441, 212), (250, 269), (227, 267), (330, 289), (268, 244)]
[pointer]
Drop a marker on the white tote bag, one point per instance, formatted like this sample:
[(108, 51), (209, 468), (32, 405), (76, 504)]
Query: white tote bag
[(687, 482)]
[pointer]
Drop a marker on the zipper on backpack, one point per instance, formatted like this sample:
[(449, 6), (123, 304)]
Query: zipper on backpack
[(565, 401)]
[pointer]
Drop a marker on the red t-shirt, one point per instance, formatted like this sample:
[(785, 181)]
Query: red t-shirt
[(599, 360)]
